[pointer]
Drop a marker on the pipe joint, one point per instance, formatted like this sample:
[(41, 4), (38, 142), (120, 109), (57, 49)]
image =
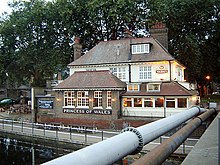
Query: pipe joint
[(140, 138)]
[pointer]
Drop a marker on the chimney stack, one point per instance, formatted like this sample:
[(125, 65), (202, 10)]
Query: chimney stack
[(77, 48), (160, 32)]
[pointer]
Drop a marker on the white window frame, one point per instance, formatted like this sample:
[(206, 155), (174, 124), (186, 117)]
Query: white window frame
[(145, 72), (170, 99), (109, 99), (82, 101), (69, 99), (140, 48), (154, 87), (98, 96), (133, 87), (119, 72), (148, 99)]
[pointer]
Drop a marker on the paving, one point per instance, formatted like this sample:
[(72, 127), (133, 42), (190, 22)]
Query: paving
[(205, 152)]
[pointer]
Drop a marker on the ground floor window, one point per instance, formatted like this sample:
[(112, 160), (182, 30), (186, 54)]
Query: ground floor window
[(69, 98), (182, 102), (137, 102), (148, 102), (82, 98), (159, 102), (97, 99), (127, 102), (109, 98), (170, 102), (155, 102)]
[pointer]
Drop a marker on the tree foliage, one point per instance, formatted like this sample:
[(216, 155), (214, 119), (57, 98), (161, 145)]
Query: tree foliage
[(36, 37), (39, 34), (193, 33)]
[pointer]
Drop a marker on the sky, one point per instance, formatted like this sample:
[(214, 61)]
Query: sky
[(4, 6)]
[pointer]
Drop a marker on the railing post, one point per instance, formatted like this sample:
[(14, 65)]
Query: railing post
[(12, 121), (56, 132), (70, 133), (32, 128), (3, 124), (44, 129), (102, 135), (85, 135), (22, 125)]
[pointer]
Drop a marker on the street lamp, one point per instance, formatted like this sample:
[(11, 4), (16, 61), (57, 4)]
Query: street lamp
[(208, 84), (208, 77)]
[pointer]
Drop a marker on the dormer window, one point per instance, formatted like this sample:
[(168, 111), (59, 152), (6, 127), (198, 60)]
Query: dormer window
[(153, 87), (133, 87), (140, 48)]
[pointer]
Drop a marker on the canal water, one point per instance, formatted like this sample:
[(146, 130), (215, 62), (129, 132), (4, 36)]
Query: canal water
[(13, 152)]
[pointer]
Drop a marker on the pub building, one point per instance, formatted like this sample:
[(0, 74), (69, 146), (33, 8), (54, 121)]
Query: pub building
[(130, 81)]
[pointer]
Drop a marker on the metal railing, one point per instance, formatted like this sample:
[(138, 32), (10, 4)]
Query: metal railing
[(73, 134)]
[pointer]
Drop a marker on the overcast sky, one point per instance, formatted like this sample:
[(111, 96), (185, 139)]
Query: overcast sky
[(4, 5)]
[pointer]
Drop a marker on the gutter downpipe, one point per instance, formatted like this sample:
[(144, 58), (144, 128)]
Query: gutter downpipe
[(170, 70), (131, 140), (159, 154)]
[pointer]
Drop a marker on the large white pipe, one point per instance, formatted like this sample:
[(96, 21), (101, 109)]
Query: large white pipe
[(131, 140)]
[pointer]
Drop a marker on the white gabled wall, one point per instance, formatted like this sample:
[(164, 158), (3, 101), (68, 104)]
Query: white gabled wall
[(160, 70)]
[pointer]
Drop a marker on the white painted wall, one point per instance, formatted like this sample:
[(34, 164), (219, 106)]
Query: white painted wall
[(156, 66)]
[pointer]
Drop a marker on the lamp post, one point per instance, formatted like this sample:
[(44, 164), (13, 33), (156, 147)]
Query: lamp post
[(208, 83)]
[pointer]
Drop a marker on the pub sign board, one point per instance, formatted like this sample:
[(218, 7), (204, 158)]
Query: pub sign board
[(45, 104), (88, 111)]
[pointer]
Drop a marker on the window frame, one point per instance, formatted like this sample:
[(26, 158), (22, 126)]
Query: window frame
[(133, 87), (109, 99), (69, 99), (147, 100), (82, 101), (140, 48), (170, 100), (145, 72), (153, 90), (183, 103), (119, 72), (97, 99)]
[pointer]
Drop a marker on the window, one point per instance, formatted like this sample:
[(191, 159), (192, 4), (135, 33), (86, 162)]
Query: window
[(109, 98), (69, 99), (153, 87), (170, 102), (159, 102), (82, 98), (133, 87), (97, 99), (119, 72), (137, 102), (145, 73), (148, 102), (140, 48), (182, 102), (127, 102)]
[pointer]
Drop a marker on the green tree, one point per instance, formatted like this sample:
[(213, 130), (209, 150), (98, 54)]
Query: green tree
[(36, 38), (193, 33)]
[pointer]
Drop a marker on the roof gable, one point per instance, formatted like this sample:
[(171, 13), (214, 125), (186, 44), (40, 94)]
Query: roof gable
[(90, 80)]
